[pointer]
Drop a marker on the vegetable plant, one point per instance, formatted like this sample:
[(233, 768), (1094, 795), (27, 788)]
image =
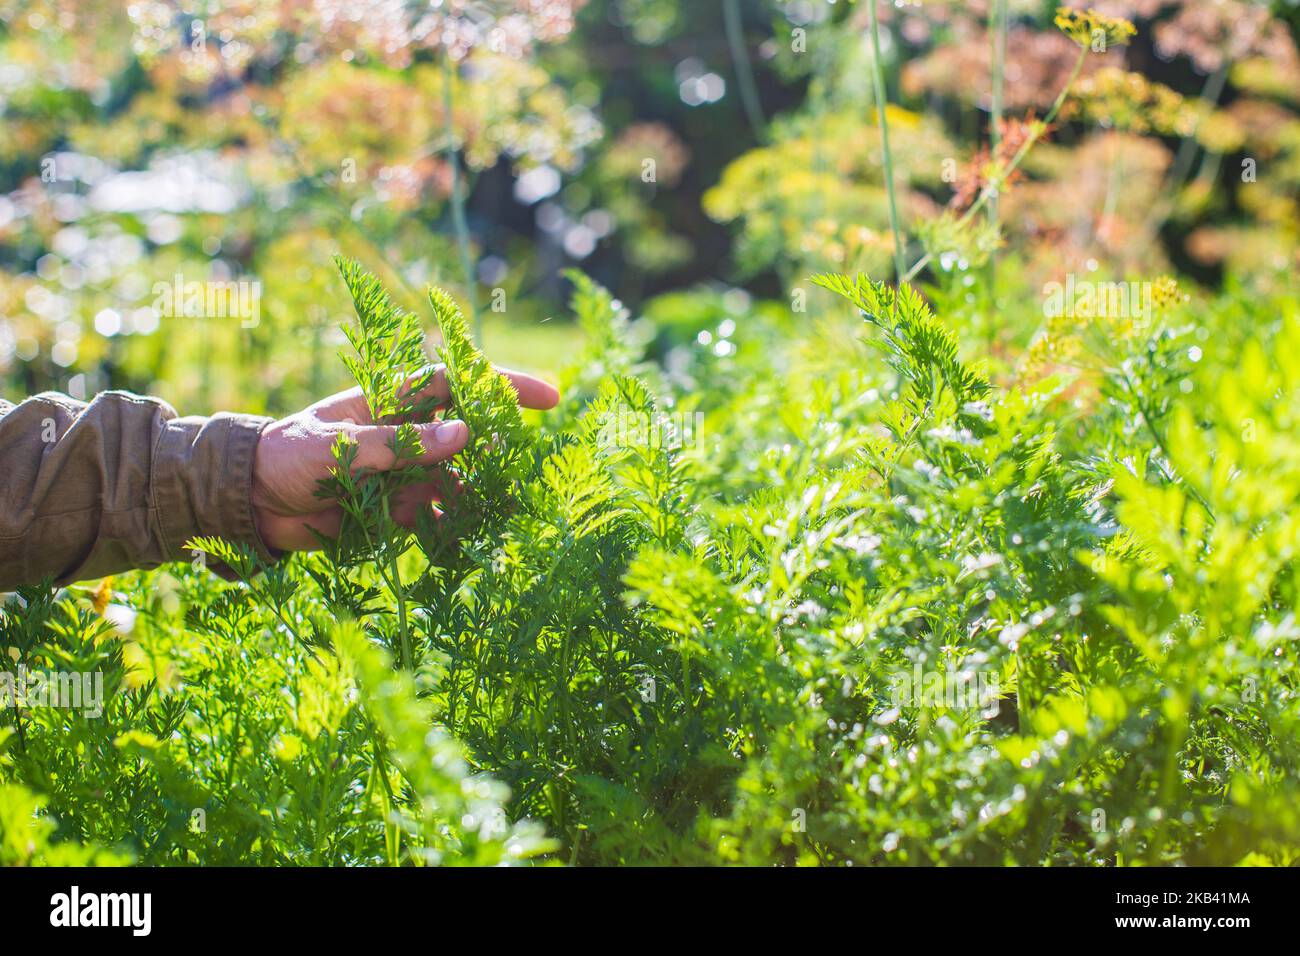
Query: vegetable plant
[(758, 647)]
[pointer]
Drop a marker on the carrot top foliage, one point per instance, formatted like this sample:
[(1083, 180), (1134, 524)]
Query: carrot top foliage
[(890, 606)]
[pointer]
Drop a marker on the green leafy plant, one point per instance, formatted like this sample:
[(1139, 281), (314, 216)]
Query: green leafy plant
[(890, 605)]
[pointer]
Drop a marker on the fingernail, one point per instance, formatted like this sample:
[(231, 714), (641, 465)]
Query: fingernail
[(448, 433)]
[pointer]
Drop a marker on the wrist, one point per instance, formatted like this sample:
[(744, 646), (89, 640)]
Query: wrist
[(202, 480), (267, 522)]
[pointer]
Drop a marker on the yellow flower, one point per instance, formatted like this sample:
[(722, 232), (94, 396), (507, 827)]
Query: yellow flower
[(1088, 28), (102, 595), (1130, 101), (1165, 293)]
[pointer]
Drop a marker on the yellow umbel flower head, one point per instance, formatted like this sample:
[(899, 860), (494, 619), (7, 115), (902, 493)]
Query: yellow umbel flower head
[(1165, 293), (1088, 28)]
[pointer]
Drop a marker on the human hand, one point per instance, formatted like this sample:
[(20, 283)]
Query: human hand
[(295, 453)]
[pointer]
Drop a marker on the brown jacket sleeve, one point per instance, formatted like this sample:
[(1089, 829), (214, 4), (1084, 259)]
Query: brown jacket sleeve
[(88, 490)]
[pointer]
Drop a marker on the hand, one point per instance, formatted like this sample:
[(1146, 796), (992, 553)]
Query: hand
[(295, 453)]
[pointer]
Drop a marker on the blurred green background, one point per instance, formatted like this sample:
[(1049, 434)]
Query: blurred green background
[(694, 157)]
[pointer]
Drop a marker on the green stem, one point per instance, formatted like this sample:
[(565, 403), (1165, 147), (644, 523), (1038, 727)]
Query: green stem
[(878, 79), (18, 725), (379, 770), (744, 69), (261, 597), (394, 581), (458, 200), (1169, 776), (400, 596), (234, 747), (992, 188), (1060, 97), (340, 209), (1164, 206), (1149, 420), (998, 36), (322, 809)]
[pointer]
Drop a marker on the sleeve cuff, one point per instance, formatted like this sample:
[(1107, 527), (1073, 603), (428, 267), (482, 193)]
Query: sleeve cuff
[(203, 481)]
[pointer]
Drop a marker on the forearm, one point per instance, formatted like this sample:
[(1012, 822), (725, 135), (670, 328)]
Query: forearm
[(93, 489)]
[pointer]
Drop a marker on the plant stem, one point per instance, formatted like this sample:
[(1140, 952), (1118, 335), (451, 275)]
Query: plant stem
[(1148, 419), (878, 79), (458, 200), (1210, 94), (1065, 91), (400, 597), (1169, 776), (992, 188), (998, 36), (744, 69), (340, 209), (261, 597), (394, 581)]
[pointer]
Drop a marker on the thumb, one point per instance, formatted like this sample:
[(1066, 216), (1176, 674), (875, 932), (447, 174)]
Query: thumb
[(439, 440)]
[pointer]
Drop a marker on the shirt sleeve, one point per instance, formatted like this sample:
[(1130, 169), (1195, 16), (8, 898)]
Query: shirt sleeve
[(121, 482)]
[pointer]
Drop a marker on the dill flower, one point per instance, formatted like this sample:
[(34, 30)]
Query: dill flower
[(1091, 28), (102, 596), (1220, 132), (993, 168), (952, 242), (1165, 292), (1123, 100)]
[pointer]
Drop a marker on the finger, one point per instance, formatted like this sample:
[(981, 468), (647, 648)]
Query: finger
[(450, 487), (430, 384), (349, 406), (410, 501), (420, 492), (294, 533), (439, 441), (532, 392), (427, 388), (410, 517)]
